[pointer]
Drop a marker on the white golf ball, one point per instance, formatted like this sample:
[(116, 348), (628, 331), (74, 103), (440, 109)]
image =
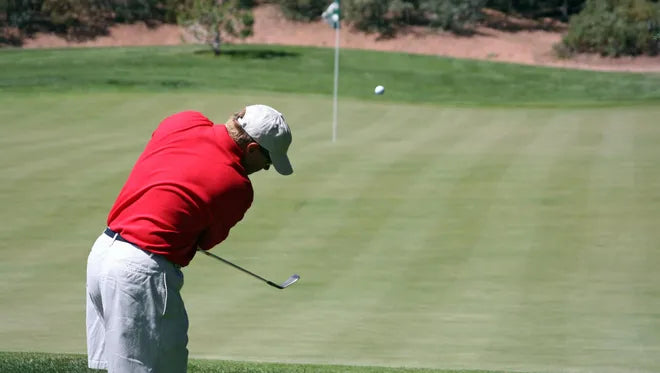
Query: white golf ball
[(379, 90), (335, 18)]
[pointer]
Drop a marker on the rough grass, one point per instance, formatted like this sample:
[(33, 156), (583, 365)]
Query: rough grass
[(269, 68), (21, 362)]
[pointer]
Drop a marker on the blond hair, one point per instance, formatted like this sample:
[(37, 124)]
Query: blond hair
[(236, 132)]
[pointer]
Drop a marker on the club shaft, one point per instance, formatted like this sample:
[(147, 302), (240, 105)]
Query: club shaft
[(241, 269)]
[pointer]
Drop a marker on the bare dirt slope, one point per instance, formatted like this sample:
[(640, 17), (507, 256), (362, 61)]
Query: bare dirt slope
[(530, 43)]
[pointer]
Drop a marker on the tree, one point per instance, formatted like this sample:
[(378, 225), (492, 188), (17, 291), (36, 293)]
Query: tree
[(206, 20), (303, 10), (456, 15), (368, 15), (556, 9), (614, 28), (388, 16), (25, 15), (78, 19)]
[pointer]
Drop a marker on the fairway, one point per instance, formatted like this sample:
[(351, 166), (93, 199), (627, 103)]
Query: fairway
[(518, 239)]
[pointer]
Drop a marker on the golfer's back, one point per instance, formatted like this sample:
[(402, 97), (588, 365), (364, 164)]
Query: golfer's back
[(187, 189)]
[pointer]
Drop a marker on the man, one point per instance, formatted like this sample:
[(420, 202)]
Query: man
[(186, 191)]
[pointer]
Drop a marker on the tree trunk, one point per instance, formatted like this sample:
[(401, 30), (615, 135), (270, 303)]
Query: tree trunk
[(216, 43)]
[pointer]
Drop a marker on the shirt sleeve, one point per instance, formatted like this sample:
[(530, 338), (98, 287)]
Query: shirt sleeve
[(227, 210)]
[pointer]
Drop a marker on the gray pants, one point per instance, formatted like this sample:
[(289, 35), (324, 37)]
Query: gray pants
[(136, 319)]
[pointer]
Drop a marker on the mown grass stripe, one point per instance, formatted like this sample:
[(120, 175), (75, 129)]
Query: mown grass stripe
[(482, 282), (615, 225), (612, 182), (509, 234), (549, 271), (455, 273), (405, 274), (391, 243), (644, 228)]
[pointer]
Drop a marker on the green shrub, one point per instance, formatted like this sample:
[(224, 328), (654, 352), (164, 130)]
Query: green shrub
[(83, 18), (303, 10), (387, 16), (368, 15), (24, 15), (208, 20), (556, 9), (615, 28), (78, 19), (454, 15), (127, 11)]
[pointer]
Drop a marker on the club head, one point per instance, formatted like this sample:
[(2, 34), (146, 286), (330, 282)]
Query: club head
[(290, 281)]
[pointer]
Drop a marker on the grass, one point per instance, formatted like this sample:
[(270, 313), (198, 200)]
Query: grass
[(69, 363), (428, 236), (407, 78)]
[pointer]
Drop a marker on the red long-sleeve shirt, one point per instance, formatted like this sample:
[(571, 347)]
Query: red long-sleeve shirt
[(187, 189)]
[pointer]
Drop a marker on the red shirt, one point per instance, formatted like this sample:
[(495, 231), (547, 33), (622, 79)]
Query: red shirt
[(187, 189)]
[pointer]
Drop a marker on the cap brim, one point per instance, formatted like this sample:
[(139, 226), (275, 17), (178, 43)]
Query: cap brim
[(281, 163)]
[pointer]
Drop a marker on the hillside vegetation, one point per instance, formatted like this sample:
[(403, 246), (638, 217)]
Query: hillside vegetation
[(608, 27)]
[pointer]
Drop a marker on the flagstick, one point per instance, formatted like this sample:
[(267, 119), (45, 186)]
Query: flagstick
[(334, 100)]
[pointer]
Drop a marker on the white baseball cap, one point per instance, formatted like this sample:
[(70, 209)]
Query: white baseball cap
[(268, 128)]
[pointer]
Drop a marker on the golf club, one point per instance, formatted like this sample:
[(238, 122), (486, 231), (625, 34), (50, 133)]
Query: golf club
[(290, 281)]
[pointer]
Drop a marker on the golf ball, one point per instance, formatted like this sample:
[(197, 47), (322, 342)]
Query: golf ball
[(379, 90)]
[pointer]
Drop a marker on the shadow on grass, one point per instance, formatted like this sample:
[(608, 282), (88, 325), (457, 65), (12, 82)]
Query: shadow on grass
[(249, 54), (166, 83)]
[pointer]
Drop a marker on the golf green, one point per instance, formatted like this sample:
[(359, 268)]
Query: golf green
[(426, 236)]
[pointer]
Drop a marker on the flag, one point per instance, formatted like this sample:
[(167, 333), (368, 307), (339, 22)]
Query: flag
[(331, 15)]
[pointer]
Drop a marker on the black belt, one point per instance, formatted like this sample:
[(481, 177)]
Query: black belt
[(112, 234)]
